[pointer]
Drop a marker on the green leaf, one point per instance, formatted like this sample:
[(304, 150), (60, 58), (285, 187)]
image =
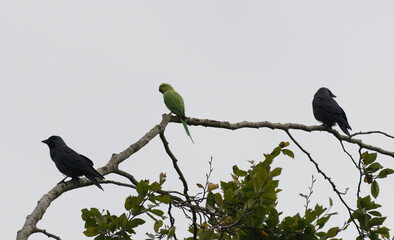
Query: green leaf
[(310, 216), (132, 202), (377, 221), (375, 213), (375, 189), (91, 231), (142, 188), (368, 158), (85, 214), (218, 199), (319, 210), (288, 153), (362, 202), (385, 172), (150, 235), (382, 230), (122, 220), (276, 172), (157, 212), (238, 172), (276, 151), (321, 221), (134, 223), (374, 167), (163, 199), (229, 195), (210, 200), (332, 232), (171, 232), (155, 186), (157, 225)]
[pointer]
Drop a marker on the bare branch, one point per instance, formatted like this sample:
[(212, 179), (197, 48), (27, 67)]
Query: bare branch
[(281, 126), (50, 235), (182, 178), (42, 205), (112, 166), (126, 175), (339, 194), (119, 183), (172, 219), (372, 132), (361, 173)]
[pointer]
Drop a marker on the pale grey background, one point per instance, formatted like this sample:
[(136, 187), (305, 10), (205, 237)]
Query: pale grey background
[(89, 71)]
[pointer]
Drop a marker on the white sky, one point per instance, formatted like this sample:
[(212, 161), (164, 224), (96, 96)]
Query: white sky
[(89, 71)]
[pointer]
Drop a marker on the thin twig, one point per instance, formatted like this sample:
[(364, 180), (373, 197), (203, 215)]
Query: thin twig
[(183, 180), (50, 235), (350, 156), (119, 183), (172, 219), (372, 132), (126, 175), (361, 174), (339, 194), (307, 197)]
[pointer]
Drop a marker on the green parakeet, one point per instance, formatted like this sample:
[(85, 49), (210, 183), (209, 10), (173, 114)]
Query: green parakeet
[(174, 103)]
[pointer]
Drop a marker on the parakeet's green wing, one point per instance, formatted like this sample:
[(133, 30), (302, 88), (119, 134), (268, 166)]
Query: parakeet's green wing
[(174, 103)]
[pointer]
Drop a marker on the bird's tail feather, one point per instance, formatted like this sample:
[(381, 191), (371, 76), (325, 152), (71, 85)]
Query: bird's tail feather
[(94, 180), (187, 129), (344, 128)]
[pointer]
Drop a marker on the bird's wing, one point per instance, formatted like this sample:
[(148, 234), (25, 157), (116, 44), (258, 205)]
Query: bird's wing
[(90, 169), (329, 109), (90, 163), (71, 160), (174, 103)]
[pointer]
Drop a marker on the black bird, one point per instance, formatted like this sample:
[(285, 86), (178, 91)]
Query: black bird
[(71, 163), (327, 110)]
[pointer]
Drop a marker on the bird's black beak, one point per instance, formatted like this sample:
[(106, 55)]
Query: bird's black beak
[(332, 95), (45, 141)]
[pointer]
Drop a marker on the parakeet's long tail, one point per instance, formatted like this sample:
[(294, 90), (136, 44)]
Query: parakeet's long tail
[(187, 129)]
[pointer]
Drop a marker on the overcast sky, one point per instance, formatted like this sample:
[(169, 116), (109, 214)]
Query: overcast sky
[(89, 71)]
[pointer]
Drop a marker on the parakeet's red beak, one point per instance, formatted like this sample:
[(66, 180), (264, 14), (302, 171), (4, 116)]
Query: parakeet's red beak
[(160, 89)]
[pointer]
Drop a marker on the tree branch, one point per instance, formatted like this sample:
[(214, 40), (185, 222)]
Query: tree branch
[(45, 201), (182, 178), (50, 235), (328, 179), (32, 219), (284, 127)]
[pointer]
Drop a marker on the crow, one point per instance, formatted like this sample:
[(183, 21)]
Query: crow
[(327, 110), (71, 163)]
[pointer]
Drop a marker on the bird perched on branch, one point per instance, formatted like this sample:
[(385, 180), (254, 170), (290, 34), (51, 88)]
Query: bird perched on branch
[(327, 110), (71, 163), (174, 103)]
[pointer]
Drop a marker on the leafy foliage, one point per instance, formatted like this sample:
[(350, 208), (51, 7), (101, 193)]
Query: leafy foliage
[(370, 219), (370, 171), (104, 226), (244, 208), (247, 207)]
